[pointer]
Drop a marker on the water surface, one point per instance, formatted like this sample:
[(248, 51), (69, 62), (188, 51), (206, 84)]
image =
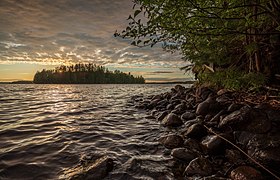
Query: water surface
[(47, 129)]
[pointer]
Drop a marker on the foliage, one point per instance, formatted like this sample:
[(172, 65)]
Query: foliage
[(244, 35), (85, 74), (232, 79)]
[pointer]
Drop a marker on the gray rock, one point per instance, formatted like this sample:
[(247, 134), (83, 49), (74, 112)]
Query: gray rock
[(195, 131), (97, 170), (172, 120), (171, 141), (245, 173), (208, 106), (199, 166), (192, 144), (183, 154), (212, 144)]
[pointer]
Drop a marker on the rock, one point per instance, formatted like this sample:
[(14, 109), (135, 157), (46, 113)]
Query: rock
[(265, 149), (208, 106), (170, 107), (236, 119), (195, 131), (172, 141), (188, 116), (183, 154), (245, 173), (153, 103), (162, 115), (259, 122), (157, 97), (172, 120), (233, 156), (203, 93), (212, 144), (97, 170), (199, 166), (234, 107), (192, 144), (179, 88), (224, 99)]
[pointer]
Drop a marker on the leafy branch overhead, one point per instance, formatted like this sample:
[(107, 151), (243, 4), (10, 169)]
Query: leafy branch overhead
[(243, 34)]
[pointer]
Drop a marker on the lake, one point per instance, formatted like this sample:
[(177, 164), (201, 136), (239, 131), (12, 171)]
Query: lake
[(47, 129)]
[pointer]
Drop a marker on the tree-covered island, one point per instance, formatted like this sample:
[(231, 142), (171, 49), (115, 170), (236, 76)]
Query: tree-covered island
[(85, 74)]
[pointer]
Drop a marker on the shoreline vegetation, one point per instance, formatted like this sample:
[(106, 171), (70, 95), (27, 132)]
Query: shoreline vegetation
[(85, 74)]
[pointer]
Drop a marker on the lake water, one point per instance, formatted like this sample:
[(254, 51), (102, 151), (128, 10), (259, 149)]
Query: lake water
[(47, 129)]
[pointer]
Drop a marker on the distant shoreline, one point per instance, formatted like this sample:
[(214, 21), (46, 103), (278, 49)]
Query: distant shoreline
[(175, 82)]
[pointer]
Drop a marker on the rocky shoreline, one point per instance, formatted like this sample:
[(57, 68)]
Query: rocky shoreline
[(215, 134)]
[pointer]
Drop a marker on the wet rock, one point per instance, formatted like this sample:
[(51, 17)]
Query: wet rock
[(97, 170), (195, 131), (265, 149), (172, 120), (162, 115), (179, 88), (171, 141), (183, 154), (188, 116), (212, 144), (245, 173), (236, 119), (199, 166), (153, 103), (156, 97)]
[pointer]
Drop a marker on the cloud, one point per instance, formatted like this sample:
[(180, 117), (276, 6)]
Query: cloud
[(162, 72), (71, 31)]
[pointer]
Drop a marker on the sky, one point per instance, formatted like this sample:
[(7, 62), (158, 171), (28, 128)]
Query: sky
[(43, 34)]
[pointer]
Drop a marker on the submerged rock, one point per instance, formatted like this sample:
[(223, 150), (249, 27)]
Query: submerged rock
[(93, 171)]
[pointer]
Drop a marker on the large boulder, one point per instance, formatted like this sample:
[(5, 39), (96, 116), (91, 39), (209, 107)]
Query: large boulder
[(172, 120)]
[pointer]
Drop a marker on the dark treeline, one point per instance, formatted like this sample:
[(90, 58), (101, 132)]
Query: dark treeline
[(85, 74)]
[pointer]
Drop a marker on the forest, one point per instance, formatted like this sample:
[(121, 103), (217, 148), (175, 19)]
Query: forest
[(85, 74), (232, 44)]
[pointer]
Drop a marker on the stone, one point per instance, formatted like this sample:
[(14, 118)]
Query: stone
[(179, 88), (162, 115), (259, 122), (192, 144), (171, 141), (234, 107), (188, 116), (97, 170), (199, 166), (170, 107), (245, 173), (233, 156), (236, 119), (183, 154), (157, 97), (208, 106), (213, 144), (203, 93), (195, 131), (172, 120), (222, 91)]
